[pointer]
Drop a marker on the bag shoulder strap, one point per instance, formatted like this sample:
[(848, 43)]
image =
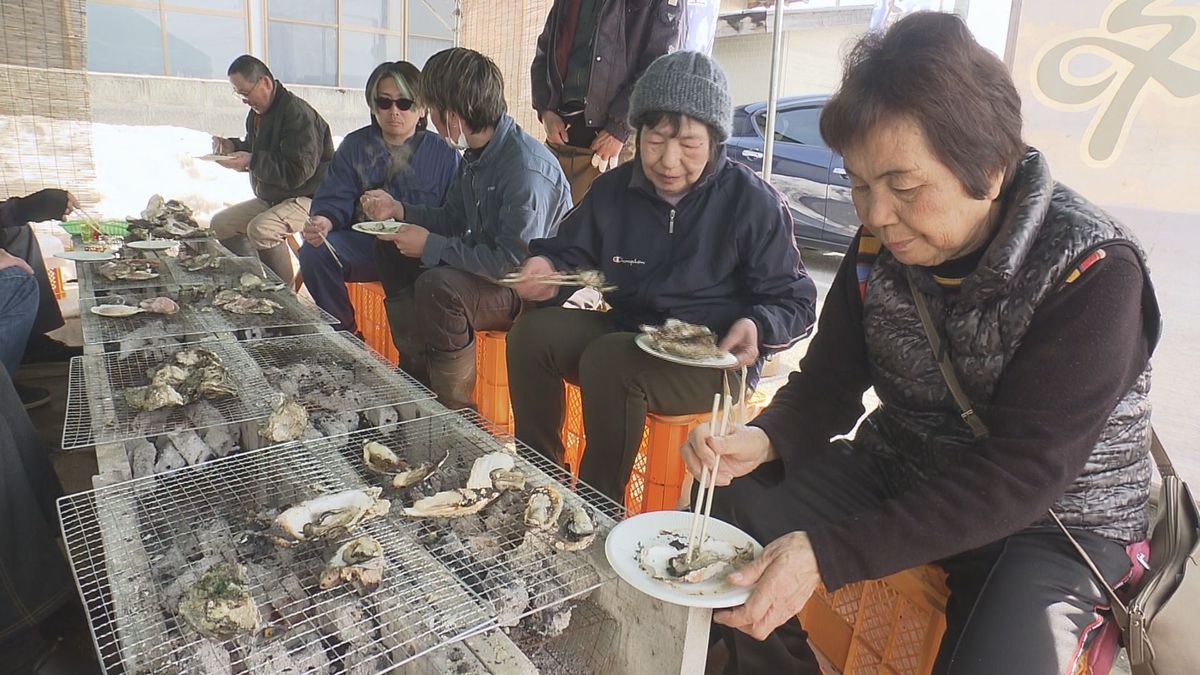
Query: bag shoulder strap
[(1119, 609), (967, 411)]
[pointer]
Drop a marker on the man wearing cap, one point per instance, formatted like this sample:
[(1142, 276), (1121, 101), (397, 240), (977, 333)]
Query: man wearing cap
[(682, 233), (588, 57)]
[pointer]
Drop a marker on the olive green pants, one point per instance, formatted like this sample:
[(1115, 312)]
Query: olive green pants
[(619, 382)]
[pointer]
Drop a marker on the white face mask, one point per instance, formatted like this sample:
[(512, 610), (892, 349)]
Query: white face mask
[(460, 144)]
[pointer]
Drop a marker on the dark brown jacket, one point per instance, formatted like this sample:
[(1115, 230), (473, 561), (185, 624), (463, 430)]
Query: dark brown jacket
[(290, 146), (629, 36)]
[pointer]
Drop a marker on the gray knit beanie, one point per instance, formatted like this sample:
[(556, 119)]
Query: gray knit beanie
[(688, 83)]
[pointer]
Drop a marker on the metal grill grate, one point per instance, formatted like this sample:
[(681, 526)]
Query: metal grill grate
[(227, 271), (334, 375), (516, 573), (91, 282), (135, 546), (209, 245), (97, 411), (189, 320), (196, 315)]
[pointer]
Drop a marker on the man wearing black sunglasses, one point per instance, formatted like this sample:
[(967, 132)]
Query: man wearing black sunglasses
[(287, 149)]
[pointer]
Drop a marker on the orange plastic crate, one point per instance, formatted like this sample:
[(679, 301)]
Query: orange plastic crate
[(491, 378), (572, 435), (658, 472), (56, 283), (371, 318), (892, 626)]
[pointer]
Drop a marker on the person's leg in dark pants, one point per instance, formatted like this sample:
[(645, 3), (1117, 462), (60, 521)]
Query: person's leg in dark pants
[(544, 348), (398, 274), (18, 307), (620, 383), (1025, 604), (451, 305), (767, 504), (326, 280), (22, 243)]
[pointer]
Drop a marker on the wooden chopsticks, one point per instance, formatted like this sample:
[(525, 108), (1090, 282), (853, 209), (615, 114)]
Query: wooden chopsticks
[(722, 415)]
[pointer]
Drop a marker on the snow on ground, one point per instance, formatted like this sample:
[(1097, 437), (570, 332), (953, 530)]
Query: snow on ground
[(135, 162)]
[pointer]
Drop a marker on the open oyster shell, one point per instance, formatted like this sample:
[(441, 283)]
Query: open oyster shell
[(327, 516), (380, 459), (452, 503), (544, 507), (668, 562), (359, 562)]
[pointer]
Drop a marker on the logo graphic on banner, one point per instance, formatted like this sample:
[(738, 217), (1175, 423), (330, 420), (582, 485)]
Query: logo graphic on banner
[(1144, 44)]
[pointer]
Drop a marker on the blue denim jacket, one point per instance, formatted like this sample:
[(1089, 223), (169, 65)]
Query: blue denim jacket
[(512, 192)]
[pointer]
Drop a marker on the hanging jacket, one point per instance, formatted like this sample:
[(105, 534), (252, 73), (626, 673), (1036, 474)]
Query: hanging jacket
[(630, 34)]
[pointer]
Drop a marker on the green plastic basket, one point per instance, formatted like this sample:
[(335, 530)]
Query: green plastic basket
[(111, 227)]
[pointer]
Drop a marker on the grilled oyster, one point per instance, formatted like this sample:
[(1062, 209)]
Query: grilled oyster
[(359, 562), (159, 305), (219, 605), (544, 507), (669, 562), (287, 423), (327, 516), (169, 374), (153, 397), (249, 282), (215, 383), (576, 531), (199, 261), (379, 459), (485, 466), (452, 503), (679, 338)]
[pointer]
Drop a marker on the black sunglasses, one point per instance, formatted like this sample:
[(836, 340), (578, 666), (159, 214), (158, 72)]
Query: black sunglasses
[(385, 103)]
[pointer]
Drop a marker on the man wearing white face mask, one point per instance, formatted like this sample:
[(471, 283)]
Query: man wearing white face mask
[(508, 190)]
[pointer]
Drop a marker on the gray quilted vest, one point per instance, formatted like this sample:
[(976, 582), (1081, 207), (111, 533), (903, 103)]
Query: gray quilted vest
[(917, 429)]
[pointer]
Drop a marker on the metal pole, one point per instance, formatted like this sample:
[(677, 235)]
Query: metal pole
[(773, 95)]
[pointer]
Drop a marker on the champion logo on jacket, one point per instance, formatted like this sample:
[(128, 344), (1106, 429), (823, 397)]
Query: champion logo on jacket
[(627, 261)]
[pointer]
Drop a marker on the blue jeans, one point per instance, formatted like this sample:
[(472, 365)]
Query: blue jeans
[(18, 308), (326, 281)]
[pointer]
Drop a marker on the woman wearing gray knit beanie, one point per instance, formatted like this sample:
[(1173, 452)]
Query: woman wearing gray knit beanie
[(682, 233)]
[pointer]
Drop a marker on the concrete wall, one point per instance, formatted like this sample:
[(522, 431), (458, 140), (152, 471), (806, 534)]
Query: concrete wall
[(811, 61), (206, 105)]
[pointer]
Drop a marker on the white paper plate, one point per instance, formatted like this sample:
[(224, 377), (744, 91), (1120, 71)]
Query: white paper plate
[(727, 360), (214, 158), (126, 310), (86, 256), (657, 528), (153, 244), (378, 227)]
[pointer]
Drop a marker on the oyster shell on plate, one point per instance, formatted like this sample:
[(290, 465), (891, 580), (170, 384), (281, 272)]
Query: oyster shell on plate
[(159, 305), (686, 340), (359, 562), (485, 466), (544, 507), (576, 531), (286, 423), (327, 516), (219, 605), (379, 459), (452, 503), (668, 562)]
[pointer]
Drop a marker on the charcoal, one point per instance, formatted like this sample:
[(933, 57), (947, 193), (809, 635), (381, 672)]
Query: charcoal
[(142, 455), (169, 459), (191, 447)]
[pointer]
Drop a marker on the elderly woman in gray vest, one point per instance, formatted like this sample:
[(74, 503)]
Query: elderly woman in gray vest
[(1046, 315)]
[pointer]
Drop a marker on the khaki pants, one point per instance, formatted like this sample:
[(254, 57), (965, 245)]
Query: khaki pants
[(577, 164), (264, 225)]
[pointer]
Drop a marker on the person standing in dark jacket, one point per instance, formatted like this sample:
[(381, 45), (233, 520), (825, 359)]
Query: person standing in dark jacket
[(508, 191), (682, 233), (394, 154), (588, 57), (287, 150)]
